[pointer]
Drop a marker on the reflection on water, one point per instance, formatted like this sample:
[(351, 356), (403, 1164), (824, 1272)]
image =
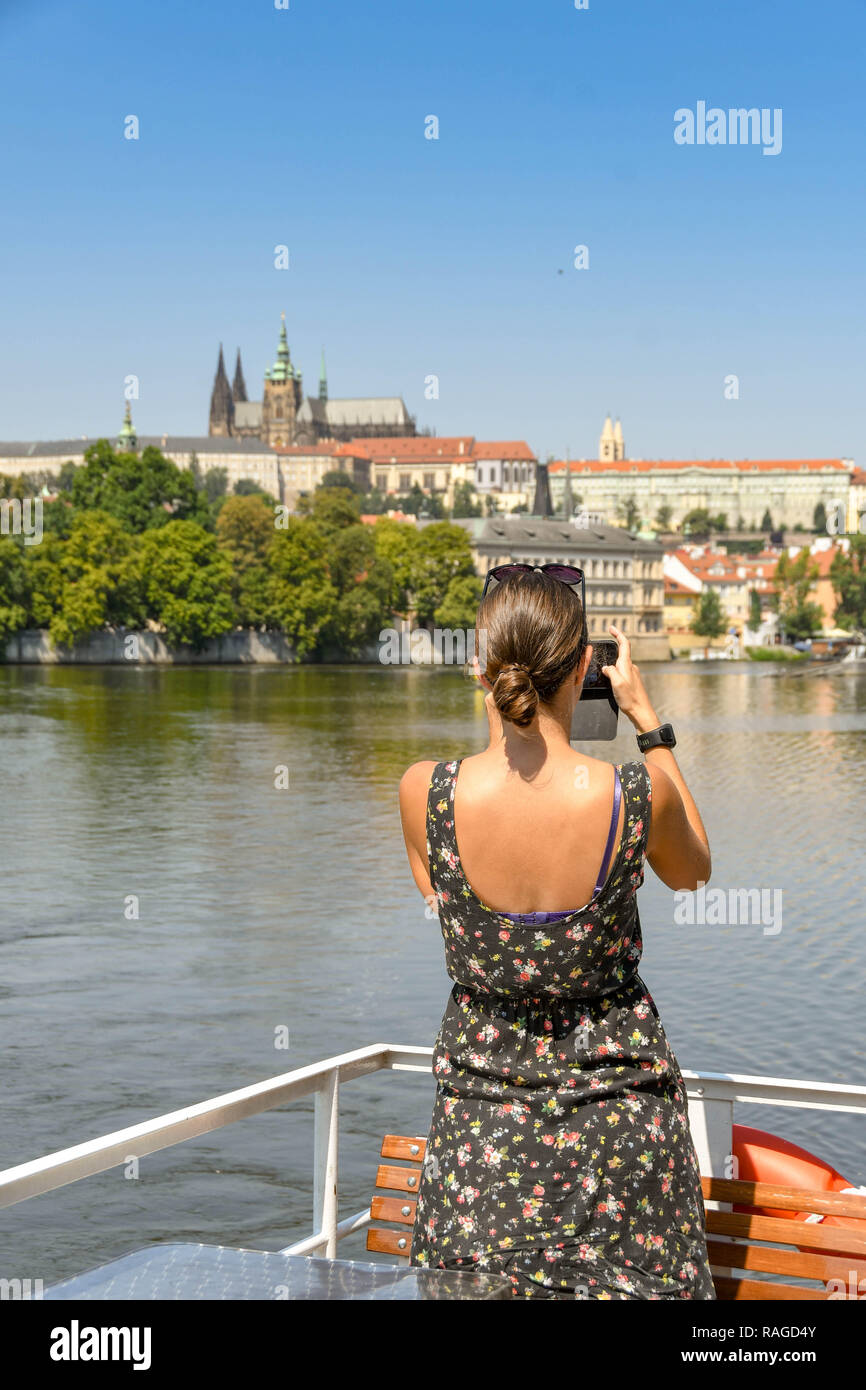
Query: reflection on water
[(261, 910)]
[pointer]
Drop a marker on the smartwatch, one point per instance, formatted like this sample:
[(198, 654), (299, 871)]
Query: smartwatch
[(663, 737)]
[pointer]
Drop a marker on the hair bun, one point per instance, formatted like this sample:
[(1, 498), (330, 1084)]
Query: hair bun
[(515, 695)]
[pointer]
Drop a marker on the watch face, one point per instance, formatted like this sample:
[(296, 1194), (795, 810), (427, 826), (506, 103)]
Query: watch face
[(667, 734)]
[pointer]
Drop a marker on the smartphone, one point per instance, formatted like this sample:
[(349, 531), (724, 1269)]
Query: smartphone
[(597, 712)]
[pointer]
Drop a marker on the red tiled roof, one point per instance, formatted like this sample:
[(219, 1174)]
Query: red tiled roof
[(509, 449), (858, 477), (740, 465), (411, 449)]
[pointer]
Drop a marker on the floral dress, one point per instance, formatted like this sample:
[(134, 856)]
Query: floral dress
[(559, 1152)]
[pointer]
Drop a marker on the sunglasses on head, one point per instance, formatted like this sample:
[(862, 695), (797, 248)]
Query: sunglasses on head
[(569, 575)]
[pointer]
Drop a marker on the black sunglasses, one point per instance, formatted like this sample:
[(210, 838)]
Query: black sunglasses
[(565, 574)]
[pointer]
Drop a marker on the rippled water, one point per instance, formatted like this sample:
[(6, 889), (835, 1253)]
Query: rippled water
[(262, 908)]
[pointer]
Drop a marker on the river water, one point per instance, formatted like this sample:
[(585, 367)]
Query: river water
[(268, 913)]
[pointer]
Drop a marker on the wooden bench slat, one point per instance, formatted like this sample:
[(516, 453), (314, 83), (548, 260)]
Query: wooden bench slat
[(407, 1146), (399, 1179), (757, 1291), (388, 1242), (834, 1252), (762, 1194), (393, 1209), (771, 1261), (785, 1232)]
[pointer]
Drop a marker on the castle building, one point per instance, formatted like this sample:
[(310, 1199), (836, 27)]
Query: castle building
[(659, 493), (284, 418)]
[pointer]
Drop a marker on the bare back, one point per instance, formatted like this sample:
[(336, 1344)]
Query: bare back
[(534, 844)]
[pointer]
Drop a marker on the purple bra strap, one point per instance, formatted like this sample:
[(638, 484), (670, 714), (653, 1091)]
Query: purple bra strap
[(614, 822)]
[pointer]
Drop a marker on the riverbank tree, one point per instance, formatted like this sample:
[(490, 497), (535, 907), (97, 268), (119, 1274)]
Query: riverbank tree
[(131, 541)]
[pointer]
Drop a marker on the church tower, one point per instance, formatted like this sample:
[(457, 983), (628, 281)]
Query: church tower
[(221, 404), (323, 381), (127, 440), (618, 443), (283, 396), (607, 443), (239, 386)]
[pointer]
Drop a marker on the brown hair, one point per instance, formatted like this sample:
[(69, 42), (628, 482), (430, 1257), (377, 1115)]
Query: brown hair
[(534, 635)]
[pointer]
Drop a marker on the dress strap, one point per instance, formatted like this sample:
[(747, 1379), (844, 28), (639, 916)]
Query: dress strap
[(611, 835)]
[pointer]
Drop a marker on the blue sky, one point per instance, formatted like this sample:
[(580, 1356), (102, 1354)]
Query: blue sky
[(412, 257)]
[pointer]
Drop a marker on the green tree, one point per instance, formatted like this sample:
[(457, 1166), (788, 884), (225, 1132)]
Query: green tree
[(443, 554), (363, 581), (459, 608), (337, 478), (754, 609), (709, 620), (398, 542), (766, 521), (466, 501), (719, 522), (245, 530), (14, 588), (848, 577), (629, 513), (663, 517), (697, 523), (819, 518), (188, 583), (375, 502), (800, 617), (215, 484), (66, 476), (331, 508), (98, 581), (140, 490), (301, 596), (247, 487)]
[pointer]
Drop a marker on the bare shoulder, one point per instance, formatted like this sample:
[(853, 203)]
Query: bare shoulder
[(415, 781)]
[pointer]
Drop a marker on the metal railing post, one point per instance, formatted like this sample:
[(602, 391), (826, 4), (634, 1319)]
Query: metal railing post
[(325, 1162)]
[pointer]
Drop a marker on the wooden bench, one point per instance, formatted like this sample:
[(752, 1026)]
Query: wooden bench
[(750, 1243)]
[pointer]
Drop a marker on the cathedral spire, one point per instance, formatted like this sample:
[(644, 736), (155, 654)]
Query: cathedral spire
[(239, 386), (127, 440), (282, 370), (323, 380), (221, 404)]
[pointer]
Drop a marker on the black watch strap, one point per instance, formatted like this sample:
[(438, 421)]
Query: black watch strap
[(662, 737)]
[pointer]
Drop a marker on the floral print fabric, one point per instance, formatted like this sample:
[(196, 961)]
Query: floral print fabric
[(559, 1152)]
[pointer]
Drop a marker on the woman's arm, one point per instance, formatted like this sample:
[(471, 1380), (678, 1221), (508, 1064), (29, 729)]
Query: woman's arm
[(414, 787), (677, 846)]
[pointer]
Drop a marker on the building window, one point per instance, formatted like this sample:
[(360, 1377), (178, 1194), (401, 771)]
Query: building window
[(405, 482), (429, 482)]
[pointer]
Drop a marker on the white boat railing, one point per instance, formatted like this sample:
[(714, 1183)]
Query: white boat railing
[(712, 1096)]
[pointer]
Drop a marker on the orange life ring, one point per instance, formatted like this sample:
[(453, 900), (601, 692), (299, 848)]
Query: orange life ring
[(763, 1157)]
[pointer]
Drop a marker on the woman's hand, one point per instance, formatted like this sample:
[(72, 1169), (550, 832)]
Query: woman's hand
[(628, 688)]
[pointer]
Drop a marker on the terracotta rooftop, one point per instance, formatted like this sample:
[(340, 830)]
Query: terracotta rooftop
[(411, 449), (739, 465)]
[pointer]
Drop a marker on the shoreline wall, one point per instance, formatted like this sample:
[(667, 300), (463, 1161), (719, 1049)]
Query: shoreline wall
[(32, 647)]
